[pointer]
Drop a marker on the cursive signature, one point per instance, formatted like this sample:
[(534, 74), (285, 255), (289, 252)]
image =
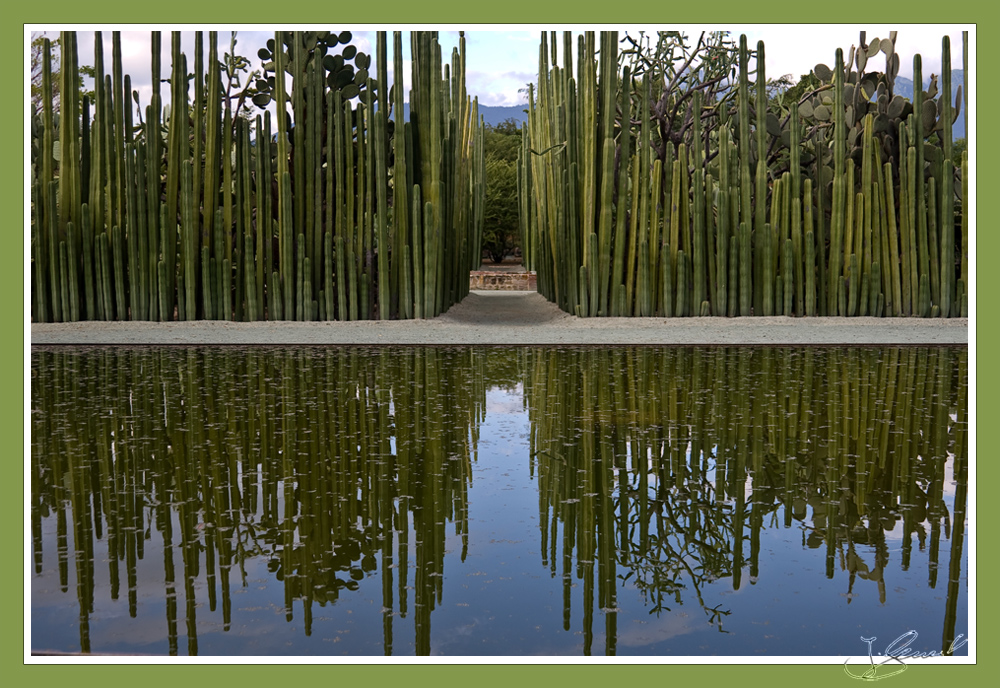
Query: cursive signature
[(891, 663)]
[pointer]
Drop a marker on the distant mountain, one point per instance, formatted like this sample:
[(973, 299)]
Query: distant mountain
[(492, 114), (495, 114), (904, 87)]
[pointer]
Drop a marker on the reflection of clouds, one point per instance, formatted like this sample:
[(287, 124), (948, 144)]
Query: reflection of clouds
[(502, 401), (948, 488), (656, 630), (145, 633), (458, 636)]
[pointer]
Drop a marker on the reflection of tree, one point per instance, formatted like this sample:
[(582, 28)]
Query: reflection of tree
[(313, 459), (688, 543), (502, 367), (643, 458), (657, 469)]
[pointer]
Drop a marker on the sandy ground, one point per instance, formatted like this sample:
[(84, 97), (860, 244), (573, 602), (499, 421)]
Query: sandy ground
[(494, 317)]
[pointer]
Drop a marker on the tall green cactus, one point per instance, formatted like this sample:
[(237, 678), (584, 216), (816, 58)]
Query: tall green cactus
[(131, 229)]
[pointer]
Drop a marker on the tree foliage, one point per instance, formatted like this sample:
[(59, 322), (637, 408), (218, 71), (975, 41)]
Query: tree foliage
[(500, 232), (806, 84), (503, 140), (37, 57)]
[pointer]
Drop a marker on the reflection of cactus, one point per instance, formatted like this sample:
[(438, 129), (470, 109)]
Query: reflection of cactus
[(336, 526), (330, 476), (668, 535)]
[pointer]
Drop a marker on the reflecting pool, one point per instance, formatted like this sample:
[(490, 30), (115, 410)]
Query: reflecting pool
[(498, 501)]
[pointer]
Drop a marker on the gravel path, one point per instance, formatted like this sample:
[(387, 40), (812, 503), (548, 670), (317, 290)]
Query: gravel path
[(494, 317)]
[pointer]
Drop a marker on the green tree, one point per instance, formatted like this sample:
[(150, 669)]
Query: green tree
[(958, 147), (500, 232), (806, 84), (504, 140)]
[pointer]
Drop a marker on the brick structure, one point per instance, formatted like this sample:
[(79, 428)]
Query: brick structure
[(503, 281)]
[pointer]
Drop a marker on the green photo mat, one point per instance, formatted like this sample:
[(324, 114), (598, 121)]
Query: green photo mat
[(558, 14)]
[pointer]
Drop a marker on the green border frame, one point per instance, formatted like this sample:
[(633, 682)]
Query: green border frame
[(450, 11)]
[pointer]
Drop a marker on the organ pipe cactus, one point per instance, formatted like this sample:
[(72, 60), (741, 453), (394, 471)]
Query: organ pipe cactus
[(186, 231), (153, 232), (836, 245)]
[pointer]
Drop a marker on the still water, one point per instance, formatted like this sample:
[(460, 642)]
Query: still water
[(490, 501)]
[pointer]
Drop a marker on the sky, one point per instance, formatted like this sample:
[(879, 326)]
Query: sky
[(501, 61)]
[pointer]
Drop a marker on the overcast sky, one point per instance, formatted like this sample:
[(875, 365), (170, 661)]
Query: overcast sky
[(502, 60)]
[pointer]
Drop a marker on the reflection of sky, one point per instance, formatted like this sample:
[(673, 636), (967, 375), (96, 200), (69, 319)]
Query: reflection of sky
[(791, 609), (502, 600), (502, 401)]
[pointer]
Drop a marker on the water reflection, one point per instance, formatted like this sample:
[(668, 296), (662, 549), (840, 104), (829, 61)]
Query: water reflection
[(657, 471), (662, 467), (323, 462)]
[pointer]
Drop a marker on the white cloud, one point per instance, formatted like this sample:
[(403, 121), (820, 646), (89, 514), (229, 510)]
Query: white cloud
[(499, 62), (797, 49)]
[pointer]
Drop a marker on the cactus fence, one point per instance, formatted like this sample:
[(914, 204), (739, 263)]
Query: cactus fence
[(845, 202), (333, 212)]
